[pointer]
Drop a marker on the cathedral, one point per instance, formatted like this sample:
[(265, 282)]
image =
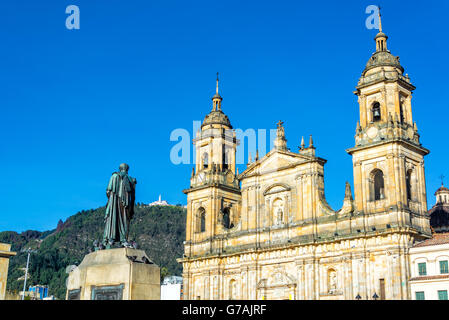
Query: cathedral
[(268, 232)]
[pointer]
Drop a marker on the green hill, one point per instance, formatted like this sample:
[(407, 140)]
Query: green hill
[(159, 230)]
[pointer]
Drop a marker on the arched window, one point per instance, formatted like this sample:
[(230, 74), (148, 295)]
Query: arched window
[(205, 160), (201, 225), (377, 177), (408, 183), (227, 223), (376, 111)]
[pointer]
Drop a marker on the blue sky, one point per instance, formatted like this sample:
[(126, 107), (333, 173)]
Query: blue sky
[(77, 103)]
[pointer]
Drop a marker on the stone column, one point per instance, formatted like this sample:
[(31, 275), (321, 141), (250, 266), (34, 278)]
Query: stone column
[(358, 186), (299, 202), (189, 221), (422, 187), (317, 277), (301, 280), (384, 105), (363, 110)]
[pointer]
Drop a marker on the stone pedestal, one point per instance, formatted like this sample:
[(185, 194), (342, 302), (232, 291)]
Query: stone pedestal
[(115, 274), (5, 254)]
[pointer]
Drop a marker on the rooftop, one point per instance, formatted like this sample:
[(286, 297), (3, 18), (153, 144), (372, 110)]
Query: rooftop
[(440, 276), (437, 239)]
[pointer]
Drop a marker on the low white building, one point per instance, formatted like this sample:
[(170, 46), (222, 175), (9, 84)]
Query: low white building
[(171, 288), (159, 202), (430, 272)]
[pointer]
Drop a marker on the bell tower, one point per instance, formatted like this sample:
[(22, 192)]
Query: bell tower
[(215, 142), (388, 158), (214, 197)]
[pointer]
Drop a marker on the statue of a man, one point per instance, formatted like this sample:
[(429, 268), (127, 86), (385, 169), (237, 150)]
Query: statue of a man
[(121, 192)]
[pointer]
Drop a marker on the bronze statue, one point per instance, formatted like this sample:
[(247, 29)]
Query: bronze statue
[(121, 193)]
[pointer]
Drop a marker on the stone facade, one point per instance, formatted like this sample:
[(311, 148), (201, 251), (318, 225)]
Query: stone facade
[(268, 233), (5, 254)]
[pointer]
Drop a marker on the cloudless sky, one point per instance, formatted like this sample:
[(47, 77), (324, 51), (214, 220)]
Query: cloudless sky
[(77, 103)]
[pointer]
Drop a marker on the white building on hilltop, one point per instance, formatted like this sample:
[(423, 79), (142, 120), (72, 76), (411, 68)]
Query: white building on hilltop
[(159, 202)]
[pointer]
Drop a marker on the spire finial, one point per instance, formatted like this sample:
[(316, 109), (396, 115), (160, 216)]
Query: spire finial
[(381, 38), (310, 142), (442, 178), (217, 83), (348, 192), (280, 123), (216, 99), (280, 143), (380, 20), (303, 145)]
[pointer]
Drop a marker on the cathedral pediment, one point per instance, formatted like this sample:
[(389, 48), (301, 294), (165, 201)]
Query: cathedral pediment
[(275, 160)]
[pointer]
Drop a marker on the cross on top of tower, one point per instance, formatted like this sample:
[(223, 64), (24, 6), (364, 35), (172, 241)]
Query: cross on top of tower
[(216, 99)]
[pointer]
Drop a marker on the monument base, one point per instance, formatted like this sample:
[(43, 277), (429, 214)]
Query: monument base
[(115, 274)]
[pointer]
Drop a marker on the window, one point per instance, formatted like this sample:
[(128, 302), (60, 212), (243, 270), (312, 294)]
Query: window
[(225, 159), (201, 224), (376, 112), (205, 160), (444, 267), (377, 177), (401, 110), (442, 294), (422, 271), (419, 295), (408, 182), (227, 223)]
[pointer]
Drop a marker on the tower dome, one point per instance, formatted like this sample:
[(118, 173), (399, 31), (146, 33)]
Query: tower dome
[(383, 59), (216, 117), (439, 213), (442, 194)]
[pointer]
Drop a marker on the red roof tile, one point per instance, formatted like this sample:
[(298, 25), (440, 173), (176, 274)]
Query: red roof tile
[(441, 276), (437, 238)]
